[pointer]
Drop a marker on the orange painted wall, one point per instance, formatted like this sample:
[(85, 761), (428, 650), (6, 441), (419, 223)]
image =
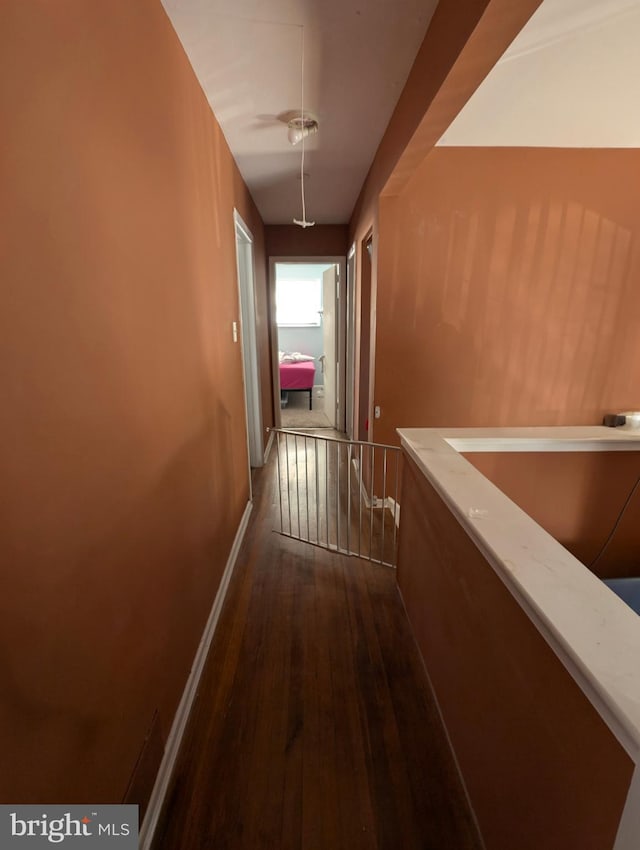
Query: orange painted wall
[(124, 464), (577, 497), (323, 240), (506, 290), (462, 43)]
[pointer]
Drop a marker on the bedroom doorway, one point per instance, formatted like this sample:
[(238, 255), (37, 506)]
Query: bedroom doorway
[(310, 322)]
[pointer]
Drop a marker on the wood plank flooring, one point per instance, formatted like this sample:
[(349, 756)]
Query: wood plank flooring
[(314, 727)]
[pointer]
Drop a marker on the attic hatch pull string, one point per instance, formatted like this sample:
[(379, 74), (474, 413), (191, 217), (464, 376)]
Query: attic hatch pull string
[(304, 222)]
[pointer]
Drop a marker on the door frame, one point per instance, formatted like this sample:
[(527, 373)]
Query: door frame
[(330, 334), (342, 388), (350, 341), (245, 265), (365, 338)]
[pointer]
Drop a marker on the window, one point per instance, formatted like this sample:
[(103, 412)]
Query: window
[(298, 302)]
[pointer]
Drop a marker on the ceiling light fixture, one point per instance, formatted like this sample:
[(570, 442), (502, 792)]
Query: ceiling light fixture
[(302, 127)]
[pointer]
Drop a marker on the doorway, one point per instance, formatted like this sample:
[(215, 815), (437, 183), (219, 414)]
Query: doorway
[(246, 293), (310, 325)]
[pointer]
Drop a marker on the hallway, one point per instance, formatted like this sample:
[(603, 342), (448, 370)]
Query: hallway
[(314, 726)]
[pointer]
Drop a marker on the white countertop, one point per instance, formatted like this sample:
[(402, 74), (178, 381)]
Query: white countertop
[(594, 633)]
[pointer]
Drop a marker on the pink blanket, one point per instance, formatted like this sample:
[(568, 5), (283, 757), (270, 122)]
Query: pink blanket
[(297, 376)]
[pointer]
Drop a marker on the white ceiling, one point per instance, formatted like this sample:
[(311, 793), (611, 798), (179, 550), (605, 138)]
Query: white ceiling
[(247, 56), (570, 79)]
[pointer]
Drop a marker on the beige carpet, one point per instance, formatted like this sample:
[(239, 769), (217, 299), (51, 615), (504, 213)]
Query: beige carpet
[(297, 414)]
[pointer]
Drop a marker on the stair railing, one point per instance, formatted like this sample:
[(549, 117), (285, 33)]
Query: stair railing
[(339, 494)]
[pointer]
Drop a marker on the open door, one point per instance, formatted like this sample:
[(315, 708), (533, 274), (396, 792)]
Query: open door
[(329, 313)]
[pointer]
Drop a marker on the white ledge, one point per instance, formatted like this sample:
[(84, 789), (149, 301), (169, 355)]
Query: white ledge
[(560, 439), (594, 633)]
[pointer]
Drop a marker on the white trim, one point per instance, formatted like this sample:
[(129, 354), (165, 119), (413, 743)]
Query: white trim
[(245, 264), (373, 324), (350, 353), (188, 696), (267, 450)]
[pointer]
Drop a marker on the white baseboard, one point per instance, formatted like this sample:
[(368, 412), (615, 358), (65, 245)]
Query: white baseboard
[(179, 725)]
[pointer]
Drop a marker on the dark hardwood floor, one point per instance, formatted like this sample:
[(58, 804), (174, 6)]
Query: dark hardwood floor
[(314, 727)]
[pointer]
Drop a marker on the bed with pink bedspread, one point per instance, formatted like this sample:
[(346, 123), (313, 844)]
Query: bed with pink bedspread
[(298, 377)]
